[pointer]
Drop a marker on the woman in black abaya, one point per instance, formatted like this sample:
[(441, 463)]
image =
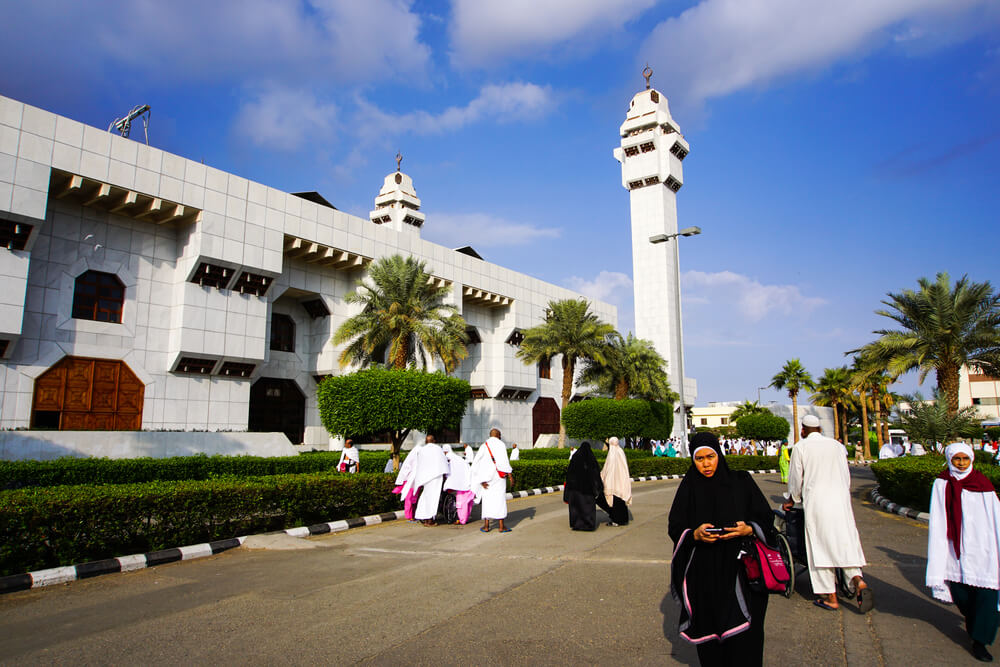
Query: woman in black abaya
[(719, 612), (583, 485)]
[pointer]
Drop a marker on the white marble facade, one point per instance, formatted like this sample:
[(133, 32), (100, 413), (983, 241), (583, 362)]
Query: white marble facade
[(193, 246)]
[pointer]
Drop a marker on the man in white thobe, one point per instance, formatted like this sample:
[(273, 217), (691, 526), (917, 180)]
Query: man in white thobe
[(819, 478), (489, 479), (431, 467)]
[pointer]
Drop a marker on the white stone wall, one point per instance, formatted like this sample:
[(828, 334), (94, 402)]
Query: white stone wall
[(242, 226)]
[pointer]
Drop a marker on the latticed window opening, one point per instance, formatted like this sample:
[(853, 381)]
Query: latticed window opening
[(98, 296), (282, 333)]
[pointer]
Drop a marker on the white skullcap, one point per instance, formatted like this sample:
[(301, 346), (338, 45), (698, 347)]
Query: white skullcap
[(812, 421)]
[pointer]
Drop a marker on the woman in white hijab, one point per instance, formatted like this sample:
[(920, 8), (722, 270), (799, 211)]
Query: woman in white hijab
[(617, 494), (963, 546)]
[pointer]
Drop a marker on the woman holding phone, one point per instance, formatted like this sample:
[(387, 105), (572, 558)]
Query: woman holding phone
[(713, 510)]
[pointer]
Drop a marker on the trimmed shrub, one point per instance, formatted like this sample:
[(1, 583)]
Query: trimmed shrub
[(375, 400), (555, 454), (762, 426), (907, 480), (601, 418), (46, 527), (68, 470)]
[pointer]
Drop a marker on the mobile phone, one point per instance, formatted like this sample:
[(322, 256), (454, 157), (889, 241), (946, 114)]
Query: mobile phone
[(716, 531)]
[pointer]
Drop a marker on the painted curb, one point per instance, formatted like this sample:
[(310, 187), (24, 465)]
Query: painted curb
[(68, 573), (888, 506)]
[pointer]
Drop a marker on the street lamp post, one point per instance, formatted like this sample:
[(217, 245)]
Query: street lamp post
[(663, 238), (758, 394)]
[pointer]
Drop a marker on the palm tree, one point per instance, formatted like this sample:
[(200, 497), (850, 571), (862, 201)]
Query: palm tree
[(404, 319), (930, 422), (745, 408), (570, 330), (859, 382), (941, 329), (793, 378), (632, 367), (829, 392)]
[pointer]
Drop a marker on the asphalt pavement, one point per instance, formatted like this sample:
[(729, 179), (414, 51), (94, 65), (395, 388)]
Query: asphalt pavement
[(401, 593)]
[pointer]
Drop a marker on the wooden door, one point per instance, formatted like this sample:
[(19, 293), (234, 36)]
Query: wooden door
[(85, 394)]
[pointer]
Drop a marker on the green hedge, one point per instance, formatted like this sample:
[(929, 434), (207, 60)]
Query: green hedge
[(601, 418), (49, 526), (908, 480), (555, 454), (68, 470)]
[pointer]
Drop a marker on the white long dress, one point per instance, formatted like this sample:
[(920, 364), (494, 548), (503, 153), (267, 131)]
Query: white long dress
[(432, 466), (980, 561), (818, 477), (494, 496)]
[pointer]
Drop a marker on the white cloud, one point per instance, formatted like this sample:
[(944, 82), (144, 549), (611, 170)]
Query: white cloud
[(610, 287), (315, 41), (484, 32), (498, 102), (281, 119), (604, 286), (480, 230), (721, 46), (728, 292)]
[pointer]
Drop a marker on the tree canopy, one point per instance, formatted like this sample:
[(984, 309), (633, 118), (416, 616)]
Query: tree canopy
[(404, 319), (632, 368), (941, 328), (763, 426), (379, 399), (571, 331), (793, 378)]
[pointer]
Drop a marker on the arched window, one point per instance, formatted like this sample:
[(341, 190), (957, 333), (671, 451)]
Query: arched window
[(282, 333), (98, 296)]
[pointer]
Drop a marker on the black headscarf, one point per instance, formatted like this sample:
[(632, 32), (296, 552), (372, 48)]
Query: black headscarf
[(583, 474), (703, 499)]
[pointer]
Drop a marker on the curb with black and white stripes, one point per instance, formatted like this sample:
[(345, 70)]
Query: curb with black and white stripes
[(68, 573), (889, 506)]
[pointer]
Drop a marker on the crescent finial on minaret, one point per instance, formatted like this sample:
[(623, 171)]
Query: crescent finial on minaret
[(647, 72), (399, 159)]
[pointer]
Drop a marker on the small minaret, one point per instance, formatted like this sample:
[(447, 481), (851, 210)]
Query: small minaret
[(397, 204), (651, 152)]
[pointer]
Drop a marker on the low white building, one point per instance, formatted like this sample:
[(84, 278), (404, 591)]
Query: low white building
[(145, 291), (981, 391), (718, 414)]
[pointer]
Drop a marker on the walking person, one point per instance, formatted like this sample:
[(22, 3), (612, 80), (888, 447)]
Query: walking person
[(713, 510), (820, 479), (349, 458), (431, 467), (963, 564), (617, 494), (489, 479), (458, 488), (583, 487)]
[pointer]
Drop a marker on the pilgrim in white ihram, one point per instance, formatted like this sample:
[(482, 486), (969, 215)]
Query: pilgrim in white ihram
[(489, 480)]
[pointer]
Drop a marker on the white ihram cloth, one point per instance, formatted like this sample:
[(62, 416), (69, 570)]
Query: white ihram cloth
[(350, 454), (515, 455), (469, 454), (459, 473), (484, 471), (887, 451), (615, 476), (408, 471), (980, 562), (432, 466), (819, 478)]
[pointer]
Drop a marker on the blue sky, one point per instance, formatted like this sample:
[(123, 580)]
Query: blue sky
[(839, 151)]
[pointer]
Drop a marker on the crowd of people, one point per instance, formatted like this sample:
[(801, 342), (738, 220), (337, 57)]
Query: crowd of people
[(716, 510), (438, 485), (716, 515)]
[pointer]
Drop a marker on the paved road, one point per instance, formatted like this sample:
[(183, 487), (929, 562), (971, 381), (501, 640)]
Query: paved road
[(400, 593)]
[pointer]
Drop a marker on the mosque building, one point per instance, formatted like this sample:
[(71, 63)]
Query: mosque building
[(144, 291)]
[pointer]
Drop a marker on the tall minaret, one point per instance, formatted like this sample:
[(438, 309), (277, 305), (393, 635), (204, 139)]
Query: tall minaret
[(397, 204), (651, 152)]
